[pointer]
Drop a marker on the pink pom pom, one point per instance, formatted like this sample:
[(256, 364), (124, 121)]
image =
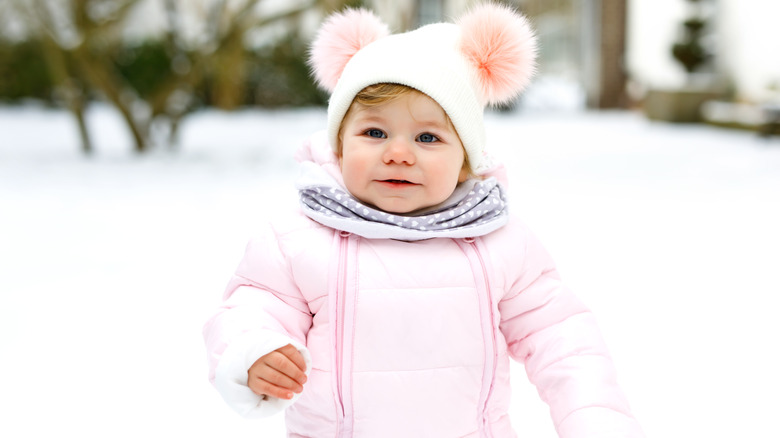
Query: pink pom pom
[(501, 45), (340, 37)]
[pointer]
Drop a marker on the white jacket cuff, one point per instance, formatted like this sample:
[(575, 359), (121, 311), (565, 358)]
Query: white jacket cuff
[(231, 373)]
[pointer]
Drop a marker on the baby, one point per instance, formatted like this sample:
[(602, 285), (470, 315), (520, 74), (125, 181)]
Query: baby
[(392, 303)]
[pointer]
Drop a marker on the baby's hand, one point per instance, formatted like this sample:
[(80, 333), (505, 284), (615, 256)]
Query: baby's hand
[(278, 373)]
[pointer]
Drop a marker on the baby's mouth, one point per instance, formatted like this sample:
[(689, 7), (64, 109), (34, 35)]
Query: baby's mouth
[(392, 182)]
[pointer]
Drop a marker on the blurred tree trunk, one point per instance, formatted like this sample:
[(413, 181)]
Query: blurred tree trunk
[(80, 63), (96, 66), (230, 73), (612, 86), (102, 76), (228, 63), (81, 46), (69, 90)]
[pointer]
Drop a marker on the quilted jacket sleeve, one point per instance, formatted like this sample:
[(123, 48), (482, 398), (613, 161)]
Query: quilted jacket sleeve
[(262, 310), (550, 331)]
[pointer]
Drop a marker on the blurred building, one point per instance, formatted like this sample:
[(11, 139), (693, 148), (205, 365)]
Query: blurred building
[(612, 51), (744, 38), (581, 41)]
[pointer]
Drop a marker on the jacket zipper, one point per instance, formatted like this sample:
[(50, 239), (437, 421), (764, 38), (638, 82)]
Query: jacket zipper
[(344, 429), (493, 356)]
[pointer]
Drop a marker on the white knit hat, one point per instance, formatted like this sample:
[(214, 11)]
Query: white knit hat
[(486, 58)]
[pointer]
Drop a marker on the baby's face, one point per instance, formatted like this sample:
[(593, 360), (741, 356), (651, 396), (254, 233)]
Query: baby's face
[(401, 156)]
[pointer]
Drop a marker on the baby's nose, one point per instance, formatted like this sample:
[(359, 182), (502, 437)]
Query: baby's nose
[(399, 150)]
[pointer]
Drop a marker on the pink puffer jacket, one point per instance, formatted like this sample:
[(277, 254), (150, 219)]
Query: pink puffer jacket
[(413, 339)]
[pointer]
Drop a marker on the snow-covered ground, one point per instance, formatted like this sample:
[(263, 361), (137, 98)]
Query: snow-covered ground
[(110, 265)]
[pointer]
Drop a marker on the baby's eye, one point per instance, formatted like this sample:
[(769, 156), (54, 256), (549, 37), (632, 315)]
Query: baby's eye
[(427, 138), (375, 133)]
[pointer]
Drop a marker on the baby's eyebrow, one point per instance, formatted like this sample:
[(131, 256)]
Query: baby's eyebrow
[(372, 118), (437, 124), (368, 117), (434, 120)]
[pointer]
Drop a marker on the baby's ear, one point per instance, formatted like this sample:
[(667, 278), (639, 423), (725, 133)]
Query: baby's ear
[(339, 39), (500, 44)]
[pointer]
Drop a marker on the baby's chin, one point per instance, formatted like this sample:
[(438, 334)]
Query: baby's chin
[(413, 210), (388, 206), (404, 206), (393, 209)]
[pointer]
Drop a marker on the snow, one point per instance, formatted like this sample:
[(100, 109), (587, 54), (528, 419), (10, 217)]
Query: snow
[(110, 265)]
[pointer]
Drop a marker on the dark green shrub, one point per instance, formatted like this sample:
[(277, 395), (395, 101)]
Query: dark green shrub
[(144, 66), (279, 76), (23, 72)]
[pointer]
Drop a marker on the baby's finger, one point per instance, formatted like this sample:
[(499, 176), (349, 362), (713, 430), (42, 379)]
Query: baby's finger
[(264, 388), (277, 361), (294, 355), (282, 379), (289, 361)]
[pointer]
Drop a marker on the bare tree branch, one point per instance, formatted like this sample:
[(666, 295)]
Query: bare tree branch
[(82, 43)]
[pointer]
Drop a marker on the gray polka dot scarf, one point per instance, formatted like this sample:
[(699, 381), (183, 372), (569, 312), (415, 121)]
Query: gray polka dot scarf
[(477, 207)]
